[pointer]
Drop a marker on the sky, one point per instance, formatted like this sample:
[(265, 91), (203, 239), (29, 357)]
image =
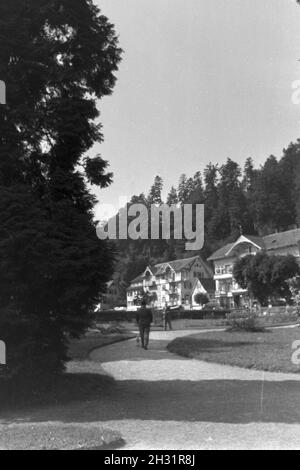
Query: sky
[(200, 81)]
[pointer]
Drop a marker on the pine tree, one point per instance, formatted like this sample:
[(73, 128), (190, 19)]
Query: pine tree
[(155, 191), (210, 182), (272, 203), (211, 202), (297, 197), (232, 199), (249, 175), (195, 191), (182, 189), (172, 197), (290, 168)]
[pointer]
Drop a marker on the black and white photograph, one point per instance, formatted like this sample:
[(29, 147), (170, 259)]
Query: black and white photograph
[(149, 227)]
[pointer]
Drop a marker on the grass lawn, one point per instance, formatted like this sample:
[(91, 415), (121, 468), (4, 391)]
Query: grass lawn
[(271, 351), (84, 381), (80, 349), (58, 436)]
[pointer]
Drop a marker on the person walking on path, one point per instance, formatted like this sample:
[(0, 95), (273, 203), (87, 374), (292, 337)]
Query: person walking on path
[(167, 316), (144, 319)]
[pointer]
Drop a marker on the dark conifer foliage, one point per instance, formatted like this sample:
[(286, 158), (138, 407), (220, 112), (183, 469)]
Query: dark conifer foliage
[(57, 57), (253, 201)]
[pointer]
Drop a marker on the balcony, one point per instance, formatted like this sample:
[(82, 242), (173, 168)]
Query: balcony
[(239, 290), (223, 293), (223, 276), (223, 270)]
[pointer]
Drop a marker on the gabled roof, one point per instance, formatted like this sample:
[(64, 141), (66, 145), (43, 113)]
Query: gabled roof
[(269, 242), (152, 270), (137, 279), (283, 239), (221, 252), (208, 284), (161, 268), (256, 241), (225, 250), (177, 265), (115, 282)]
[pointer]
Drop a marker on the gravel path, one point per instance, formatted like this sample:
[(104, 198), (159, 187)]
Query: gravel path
[(164, 401)]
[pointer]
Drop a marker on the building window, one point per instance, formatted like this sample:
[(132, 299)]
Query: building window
[(225, 286), (221, 270), (187, 284)]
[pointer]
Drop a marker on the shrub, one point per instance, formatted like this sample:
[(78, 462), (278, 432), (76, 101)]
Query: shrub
[(108, 329), (244, 322), (109, 316), (201, 299)]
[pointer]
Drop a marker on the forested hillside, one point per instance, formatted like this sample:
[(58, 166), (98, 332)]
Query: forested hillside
[(253, 200)]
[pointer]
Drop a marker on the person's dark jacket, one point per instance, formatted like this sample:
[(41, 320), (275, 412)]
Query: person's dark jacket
[(144, 317), (168, 314)]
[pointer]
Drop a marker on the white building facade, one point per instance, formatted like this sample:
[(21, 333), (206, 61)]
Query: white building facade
[(171, 283), (228, 292)]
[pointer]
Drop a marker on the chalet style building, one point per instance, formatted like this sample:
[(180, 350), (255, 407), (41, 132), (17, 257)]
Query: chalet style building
[(172, 283), (228, 292)]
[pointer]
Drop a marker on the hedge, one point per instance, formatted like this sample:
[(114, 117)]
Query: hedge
[(107, 316)]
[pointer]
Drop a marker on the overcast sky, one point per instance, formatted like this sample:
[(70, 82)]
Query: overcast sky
[(200, 81)]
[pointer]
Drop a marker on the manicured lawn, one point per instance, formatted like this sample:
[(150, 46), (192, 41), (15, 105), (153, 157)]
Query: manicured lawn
[(80, 349), (83, 380), (58, 436), (271, 351)]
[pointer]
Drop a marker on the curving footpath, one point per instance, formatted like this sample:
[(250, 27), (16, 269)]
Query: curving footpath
[(162, 401), (165, 401)]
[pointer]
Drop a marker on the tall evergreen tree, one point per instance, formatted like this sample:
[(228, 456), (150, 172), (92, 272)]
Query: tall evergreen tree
[(272, 203), (290, 168), (184, 188), (196, 195), (249, 175), (172, 197), (57, 62), (211, 200), (210, 183), (232, 198), (155, 191), (297, 197)]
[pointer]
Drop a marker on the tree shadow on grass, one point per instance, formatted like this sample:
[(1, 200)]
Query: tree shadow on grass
[(158, 349), (63, 389), (207, 345), (214, 401)]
